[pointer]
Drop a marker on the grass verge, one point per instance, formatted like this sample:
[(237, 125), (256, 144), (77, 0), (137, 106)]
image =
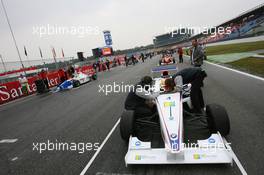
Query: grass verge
[(235, 48), (251, 65)]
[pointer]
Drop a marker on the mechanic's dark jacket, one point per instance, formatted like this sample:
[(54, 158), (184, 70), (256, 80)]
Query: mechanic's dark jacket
[(133, 101), (190, 74)]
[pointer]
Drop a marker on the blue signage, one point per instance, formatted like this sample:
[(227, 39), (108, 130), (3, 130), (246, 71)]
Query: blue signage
[(108, 38)]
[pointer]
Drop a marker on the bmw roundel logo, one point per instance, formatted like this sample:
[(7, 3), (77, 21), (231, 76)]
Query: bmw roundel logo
[(173, 136), (211, 140), (137, 143)]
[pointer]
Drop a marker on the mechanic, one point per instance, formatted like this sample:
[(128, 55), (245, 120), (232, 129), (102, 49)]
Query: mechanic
[(98, 66), (126, 61), (62, 75), (165, 74), (107, 62), (133, 59), (95, 66), (142, 57), (195, 76), (44, 76), (71, 71), (169, 85), (141, 100), (180, 53)]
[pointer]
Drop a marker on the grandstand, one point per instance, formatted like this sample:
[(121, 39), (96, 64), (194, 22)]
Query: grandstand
[(247, 24), (171, 38)]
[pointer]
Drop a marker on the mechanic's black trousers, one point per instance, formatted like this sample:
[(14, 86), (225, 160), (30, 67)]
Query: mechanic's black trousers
[(197, 95), (180, 59)]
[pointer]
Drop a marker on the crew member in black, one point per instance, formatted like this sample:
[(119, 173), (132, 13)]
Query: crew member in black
[(133, 59), (140, 99), (195, 76)]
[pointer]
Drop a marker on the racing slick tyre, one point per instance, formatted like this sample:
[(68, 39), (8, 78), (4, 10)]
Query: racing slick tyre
[(94, 77), (76, 83), (127, 124), (217, 119)]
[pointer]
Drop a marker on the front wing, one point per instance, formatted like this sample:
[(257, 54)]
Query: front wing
[(213, 150)]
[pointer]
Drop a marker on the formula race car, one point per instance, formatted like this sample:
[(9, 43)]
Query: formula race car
[(166, 60), (160, 70), (78, 79), (179, 136)]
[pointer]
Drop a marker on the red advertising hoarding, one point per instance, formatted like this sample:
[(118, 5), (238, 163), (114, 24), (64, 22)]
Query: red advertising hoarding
[(13, 90)]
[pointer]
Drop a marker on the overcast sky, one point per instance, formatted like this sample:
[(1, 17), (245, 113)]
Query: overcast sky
[(131, 22)]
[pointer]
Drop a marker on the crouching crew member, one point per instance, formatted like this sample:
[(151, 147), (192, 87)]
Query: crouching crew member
[(141, 100)]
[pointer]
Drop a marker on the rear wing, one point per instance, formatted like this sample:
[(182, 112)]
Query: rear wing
[(157, 71)]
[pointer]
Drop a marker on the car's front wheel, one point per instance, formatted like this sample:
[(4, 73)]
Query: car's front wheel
[(127, 124), (218, 119)]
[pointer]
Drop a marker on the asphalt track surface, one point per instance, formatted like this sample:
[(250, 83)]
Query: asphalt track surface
[(84, 115)]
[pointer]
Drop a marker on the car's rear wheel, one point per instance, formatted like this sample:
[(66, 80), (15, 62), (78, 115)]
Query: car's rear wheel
[(218, 119), (127, 124)]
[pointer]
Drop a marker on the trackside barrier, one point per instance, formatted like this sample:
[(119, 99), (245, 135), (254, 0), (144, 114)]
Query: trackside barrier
[(13, 90)]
